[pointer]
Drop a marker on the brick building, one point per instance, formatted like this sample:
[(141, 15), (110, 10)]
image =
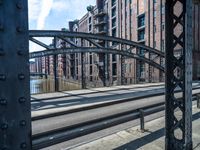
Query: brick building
[(142, 21)]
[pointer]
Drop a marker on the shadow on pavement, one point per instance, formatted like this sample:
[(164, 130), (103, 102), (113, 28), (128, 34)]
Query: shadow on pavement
[(138, 143)]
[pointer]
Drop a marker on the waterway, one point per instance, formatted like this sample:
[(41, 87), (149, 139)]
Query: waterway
[(47, 85)]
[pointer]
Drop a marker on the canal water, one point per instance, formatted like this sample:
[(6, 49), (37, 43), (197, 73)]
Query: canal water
[(43, 85)]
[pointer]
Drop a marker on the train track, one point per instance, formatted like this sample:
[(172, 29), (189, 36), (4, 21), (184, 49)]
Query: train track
[(64, 133)]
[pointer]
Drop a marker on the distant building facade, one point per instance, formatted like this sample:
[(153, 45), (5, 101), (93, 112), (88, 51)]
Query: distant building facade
[(142, 21)]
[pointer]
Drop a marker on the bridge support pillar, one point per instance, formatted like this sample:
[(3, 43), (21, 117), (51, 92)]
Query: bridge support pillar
[(178, 74), (83, 76), (123, 70), (15, 112), (106, 75), (55, 63)]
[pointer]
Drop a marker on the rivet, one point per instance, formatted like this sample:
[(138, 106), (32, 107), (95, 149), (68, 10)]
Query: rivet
[(20, 52), (4, 126), (2, 53), (3, 101), (21, 76), (2, 77), (23, 145), (19, 29), (1, 27), (23, 123), (4, 148), (22, 100), (19, 5)]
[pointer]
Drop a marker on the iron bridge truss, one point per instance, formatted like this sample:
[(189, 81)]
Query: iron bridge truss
[(118, 46)]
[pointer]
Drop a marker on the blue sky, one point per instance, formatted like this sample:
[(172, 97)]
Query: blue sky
[(55, 14)]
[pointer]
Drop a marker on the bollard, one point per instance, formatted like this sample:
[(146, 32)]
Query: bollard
[(142, 120), (198, 101)]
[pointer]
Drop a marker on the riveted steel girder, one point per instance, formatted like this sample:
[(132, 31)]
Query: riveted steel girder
[(15, 112), (50, 33), (179, 74)]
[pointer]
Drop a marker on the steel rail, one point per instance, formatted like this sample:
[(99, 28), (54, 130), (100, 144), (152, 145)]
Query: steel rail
[(56, 136)]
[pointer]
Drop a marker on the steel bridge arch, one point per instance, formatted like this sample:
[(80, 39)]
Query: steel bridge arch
[(95, 50), (75, 48), (82, 35)]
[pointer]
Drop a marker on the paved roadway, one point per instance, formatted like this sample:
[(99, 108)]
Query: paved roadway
[(48, 124), (132, 139), (81, 98)]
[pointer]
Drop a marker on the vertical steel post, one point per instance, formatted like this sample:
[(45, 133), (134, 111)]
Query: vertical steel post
[(83, 77), (142, 121), (15, 112), (178, 57), (123, 70), (55, 63), (106, 65), (198, 101)]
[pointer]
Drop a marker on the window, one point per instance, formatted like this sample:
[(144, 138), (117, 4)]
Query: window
[(90, 19), (141, 21), (114, 12), (90, 78), (163, 26), (113, 2), (91, 70), (142, 52), (130, 67), (114, 32), (154, 44), (90, 27), (113, 22), (154, 13), (114, 69), (163, 9), (154, 27), (142, 70), (114, 57), (163, 46), (141, 34), (90, 59)]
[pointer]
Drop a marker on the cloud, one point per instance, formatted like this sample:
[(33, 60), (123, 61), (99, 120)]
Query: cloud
[(60, 6), (34, 9), (43, 13), (46, 7)]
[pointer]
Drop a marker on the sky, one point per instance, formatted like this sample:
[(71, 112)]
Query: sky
[(54, 15)]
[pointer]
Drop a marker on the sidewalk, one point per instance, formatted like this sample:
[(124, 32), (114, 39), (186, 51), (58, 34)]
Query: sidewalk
[(89, 91), (132, 139)]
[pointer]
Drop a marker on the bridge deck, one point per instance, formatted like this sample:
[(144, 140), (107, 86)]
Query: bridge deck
[(132, 138)]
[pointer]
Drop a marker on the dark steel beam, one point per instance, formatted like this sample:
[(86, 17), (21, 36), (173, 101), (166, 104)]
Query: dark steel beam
[(15, 112), (55, 63), (93, 42), (51, 33), (178, 74), (39, 43), (68, 41), (94, 50), (83, 67)]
